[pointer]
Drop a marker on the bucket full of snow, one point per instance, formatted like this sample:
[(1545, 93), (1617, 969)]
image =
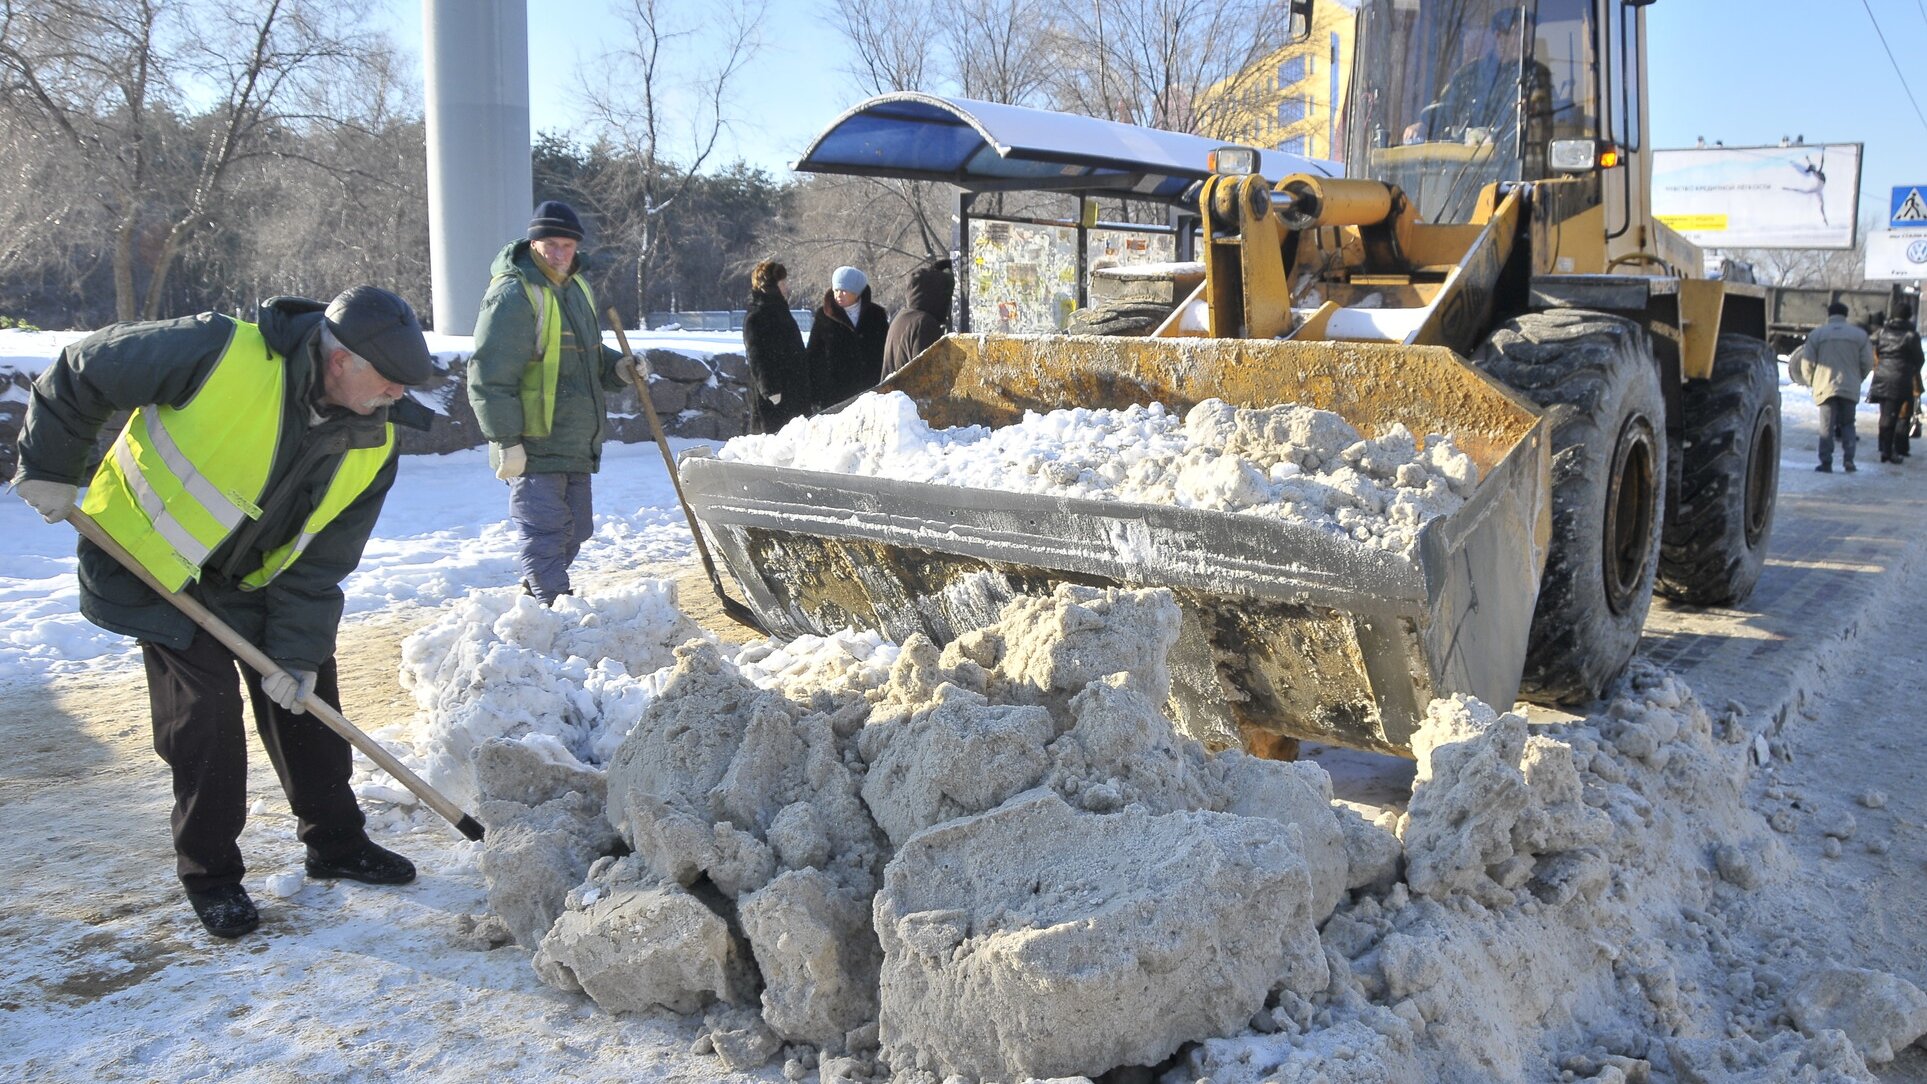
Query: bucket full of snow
[(1351, 529)]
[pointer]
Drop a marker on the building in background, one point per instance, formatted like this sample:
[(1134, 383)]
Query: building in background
[(1301, 110)]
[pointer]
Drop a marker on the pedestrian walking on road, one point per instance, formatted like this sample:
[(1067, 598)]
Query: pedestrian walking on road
[(779, 376), (925, 317), (1896, 382), (846, 340), (538, 382), (1834, 361), (249, 476)]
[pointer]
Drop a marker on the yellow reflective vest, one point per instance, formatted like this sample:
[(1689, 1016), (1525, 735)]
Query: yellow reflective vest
[(179, 481), (539, 378)]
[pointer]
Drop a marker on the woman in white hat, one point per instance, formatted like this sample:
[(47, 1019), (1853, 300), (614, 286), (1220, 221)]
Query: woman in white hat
[(846, 340)]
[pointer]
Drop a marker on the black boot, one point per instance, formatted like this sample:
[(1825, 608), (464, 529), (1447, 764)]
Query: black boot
[(226, 911), (364, 862)]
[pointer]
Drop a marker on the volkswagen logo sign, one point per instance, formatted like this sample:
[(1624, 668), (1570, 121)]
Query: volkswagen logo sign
[(1917, 252)]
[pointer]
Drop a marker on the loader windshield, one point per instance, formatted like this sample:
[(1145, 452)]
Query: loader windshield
[(1452, 95)]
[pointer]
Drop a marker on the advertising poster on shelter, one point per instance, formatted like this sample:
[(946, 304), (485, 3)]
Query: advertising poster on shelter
[(1800, 196)]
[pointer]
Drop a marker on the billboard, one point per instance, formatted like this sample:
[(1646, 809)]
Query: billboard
[(1802, 196)]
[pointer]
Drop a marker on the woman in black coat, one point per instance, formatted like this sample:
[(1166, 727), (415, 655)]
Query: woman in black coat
[(779, 376), (846, 340), (1896, 381)]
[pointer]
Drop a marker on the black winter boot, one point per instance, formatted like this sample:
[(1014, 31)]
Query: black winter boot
[(364, 862), (226, 911)]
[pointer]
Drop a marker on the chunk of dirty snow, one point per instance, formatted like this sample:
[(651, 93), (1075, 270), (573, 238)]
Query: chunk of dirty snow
[(1038, 940)]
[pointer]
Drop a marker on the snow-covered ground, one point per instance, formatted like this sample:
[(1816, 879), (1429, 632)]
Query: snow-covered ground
[(111, 979)]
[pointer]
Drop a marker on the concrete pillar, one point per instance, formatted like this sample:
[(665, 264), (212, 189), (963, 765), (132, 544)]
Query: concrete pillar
[(476, 56)]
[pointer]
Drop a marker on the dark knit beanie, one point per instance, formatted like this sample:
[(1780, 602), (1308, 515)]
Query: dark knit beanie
[(380, 327), (553, 218)]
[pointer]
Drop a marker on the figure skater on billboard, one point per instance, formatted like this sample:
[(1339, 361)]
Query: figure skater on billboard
[(1815, 182)]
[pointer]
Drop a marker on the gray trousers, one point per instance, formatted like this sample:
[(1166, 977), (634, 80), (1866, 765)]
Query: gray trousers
[(553, 514), (1836, 423)]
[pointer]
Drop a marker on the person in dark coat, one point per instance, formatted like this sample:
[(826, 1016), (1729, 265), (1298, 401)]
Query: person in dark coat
[(925, 317), (248, 479), (779, 375), (846, 340), (1896, 381), (539, 381)]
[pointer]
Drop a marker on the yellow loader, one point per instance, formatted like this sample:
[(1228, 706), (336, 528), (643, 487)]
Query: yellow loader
[(1491, 270)]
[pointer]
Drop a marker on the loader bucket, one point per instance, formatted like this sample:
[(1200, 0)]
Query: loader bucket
[(1287, 629)]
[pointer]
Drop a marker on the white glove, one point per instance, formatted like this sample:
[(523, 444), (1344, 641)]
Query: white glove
[(512, 461), (289, 688), (626, 369), (53, 500)]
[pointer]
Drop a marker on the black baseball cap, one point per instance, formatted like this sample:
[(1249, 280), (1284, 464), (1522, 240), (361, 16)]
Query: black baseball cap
[(381, 327)]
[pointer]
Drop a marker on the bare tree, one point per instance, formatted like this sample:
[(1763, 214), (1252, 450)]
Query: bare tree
[(1179, 65), (116, 80), (664, 99)]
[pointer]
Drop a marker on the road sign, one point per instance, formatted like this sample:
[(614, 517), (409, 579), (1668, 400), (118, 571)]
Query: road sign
[(1908, 210), (1896, 254)]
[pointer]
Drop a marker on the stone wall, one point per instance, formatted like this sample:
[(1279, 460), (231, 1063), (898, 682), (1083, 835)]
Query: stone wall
[(700, 398)]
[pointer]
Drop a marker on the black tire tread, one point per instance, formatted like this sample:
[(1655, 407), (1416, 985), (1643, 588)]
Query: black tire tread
[(1588, 371), (1705, 559)]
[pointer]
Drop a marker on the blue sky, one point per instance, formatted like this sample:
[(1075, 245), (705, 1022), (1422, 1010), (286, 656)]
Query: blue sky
[(1743, 71)]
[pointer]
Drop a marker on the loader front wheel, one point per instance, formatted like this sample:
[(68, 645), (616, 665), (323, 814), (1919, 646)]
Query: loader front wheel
[(1715, 543), (1595, 377)]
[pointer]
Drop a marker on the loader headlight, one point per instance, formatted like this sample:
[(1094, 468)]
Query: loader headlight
[(1232, 161), (1582, 155)]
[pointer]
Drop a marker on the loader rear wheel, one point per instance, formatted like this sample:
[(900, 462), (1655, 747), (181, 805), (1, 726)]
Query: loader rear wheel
[(1714, 545), (1595, 377)]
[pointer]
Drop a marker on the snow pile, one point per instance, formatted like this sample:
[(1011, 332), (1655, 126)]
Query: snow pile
[(500, 666), (1287, 462), (998, 860)]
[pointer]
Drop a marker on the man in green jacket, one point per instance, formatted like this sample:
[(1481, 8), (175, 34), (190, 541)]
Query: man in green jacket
[(537, 382), (249, 477)]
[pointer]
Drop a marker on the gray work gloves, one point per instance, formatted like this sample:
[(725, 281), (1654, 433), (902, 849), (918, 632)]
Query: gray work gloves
[(53, 500), (627, 370), (512, 460), (289, 687)]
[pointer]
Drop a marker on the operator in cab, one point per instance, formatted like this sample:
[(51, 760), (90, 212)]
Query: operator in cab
[(1480, 102)]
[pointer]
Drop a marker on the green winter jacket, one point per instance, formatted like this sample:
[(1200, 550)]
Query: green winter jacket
[(505, 346), (293, 619)]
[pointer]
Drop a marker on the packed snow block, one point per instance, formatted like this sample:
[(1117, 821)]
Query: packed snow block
[(739, 1037), (963, 756), (1051, 648), (533, 855), (642, 946), (1493, 810), (1121, 750), (1300, 794), (1881, 1013), (528, 774), (1466, 797), (818, 955), (1372, 851), (1786, 1056), (1038, 940), (716, 764)]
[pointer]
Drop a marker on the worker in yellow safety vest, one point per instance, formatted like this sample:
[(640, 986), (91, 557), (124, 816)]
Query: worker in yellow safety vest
[(538, 381), (249, 476)]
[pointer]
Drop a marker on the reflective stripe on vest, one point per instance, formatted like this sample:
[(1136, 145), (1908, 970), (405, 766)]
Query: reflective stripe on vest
[(353, 475), (539, 377), (179, 482)]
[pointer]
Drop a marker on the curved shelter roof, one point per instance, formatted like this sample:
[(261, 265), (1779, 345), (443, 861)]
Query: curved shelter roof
[(985, 146)]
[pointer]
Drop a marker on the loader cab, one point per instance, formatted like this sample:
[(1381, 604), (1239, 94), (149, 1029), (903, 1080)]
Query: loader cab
[(1449, 96)]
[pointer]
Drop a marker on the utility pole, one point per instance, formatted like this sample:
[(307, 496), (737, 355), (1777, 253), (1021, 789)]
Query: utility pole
[(480, 185)]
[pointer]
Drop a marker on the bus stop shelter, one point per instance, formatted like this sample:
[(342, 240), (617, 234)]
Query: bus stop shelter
[(986, 147)]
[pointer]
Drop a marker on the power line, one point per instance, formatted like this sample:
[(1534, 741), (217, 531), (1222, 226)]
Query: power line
[(1882, 35)]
